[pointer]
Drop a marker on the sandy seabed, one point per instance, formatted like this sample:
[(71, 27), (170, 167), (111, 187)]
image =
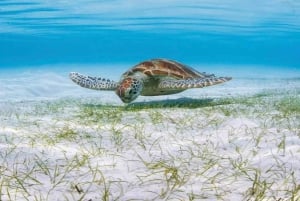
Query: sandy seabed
[(237, 141)]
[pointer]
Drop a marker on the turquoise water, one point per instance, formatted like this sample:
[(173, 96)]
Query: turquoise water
[(255, 42), (38, 32)]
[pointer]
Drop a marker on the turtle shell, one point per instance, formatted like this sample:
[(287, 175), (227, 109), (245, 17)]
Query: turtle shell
[(165, 68)]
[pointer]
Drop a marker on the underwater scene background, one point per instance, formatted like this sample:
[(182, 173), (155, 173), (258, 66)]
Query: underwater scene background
[(239, 140)]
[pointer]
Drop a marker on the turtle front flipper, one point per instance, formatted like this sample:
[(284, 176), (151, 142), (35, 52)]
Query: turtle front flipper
[(192, 83), (96, 83)]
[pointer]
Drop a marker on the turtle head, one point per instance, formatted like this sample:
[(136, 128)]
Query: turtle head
[(129, 89)]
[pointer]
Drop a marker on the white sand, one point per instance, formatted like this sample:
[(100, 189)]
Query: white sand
[(61, 142)]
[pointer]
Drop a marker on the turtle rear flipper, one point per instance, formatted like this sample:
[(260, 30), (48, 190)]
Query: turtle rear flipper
[(192, 83), (96, 83)]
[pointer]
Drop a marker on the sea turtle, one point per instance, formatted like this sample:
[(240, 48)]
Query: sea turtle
[(151, 78)]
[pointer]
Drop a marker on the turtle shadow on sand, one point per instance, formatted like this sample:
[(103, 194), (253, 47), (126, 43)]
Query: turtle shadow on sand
[(178, 103), (169, 103)]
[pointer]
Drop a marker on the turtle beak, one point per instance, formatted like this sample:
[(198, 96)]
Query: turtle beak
[(126, 100)]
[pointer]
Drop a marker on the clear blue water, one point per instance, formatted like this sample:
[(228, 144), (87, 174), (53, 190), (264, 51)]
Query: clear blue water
[(251, 32)]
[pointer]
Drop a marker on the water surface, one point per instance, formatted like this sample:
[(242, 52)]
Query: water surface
[(37, 32)]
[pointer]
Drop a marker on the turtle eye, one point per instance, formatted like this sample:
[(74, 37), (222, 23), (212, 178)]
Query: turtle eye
[(130, 91)]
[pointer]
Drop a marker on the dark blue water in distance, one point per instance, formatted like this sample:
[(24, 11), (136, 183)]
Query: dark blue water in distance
[(234, 32)]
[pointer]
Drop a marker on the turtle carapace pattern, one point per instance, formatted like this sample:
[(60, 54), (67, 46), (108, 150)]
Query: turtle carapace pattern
[(151, 78)]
